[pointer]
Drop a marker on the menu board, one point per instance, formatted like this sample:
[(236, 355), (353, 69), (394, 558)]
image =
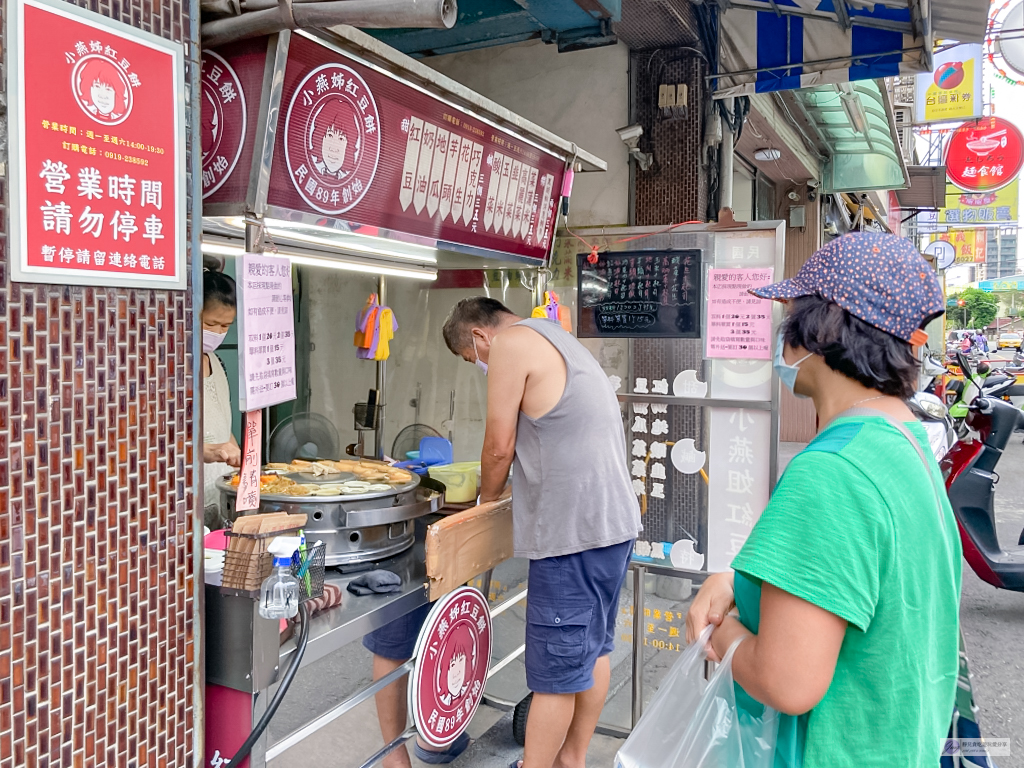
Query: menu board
[(640, 294)]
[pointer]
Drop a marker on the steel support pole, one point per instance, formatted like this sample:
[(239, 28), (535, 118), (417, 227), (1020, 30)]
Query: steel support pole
[(639, 576)]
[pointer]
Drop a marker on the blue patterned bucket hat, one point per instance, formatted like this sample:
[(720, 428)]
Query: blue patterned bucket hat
[(877, 277)]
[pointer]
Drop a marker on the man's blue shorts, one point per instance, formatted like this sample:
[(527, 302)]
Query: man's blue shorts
[(570, 616), (397, 640)]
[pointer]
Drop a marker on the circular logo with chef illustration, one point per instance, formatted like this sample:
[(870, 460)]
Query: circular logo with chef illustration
[(102, 88), (332, 138), (453, 654), (223, 121)]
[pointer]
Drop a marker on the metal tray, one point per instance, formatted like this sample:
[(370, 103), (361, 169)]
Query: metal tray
[(224, 486)]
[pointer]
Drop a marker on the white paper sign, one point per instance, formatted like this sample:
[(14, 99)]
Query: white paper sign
[(266, 331)]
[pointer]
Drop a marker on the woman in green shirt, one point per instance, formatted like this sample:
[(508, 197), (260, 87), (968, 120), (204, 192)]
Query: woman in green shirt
[(848, 588)]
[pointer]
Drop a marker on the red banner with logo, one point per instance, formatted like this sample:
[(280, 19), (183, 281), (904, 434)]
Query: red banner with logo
[(232, 80), (98, 151), (356, 144)]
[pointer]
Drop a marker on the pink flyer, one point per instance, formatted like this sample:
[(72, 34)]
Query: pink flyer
[(248, 496), (739, 325), (266, 331)]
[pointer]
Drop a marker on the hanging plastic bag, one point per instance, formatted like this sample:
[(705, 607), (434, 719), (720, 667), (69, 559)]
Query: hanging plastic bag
[(695, 723)]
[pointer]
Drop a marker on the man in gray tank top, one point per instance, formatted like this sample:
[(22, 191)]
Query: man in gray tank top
[(552, 412)]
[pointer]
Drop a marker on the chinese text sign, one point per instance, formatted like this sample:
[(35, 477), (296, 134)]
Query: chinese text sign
[(738, 479), (266, 331), (249, 474), (739, 324), (97, 150), (953, 90), (971, 245)]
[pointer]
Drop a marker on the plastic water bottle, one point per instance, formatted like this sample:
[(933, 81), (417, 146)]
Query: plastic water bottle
[(279, 595)]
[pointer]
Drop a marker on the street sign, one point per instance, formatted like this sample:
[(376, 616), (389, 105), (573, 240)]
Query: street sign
[(97, 150), (453, 654), (984, 156), (943, 252)]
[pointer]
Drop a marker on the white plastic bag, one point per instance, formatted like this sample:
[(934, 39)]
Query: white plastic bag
[(695, 723)]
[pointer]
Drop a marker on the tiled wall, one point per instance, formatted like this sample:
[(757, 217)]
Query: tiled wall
[(96, 654), (673, 191)]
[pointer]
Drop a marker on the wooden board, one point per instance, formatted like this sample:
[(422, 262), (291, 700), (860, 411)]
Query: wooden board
[(466, 544)]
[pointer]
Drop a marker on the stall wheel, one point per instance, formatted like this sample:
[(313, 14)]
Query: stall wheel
[(519, 716)]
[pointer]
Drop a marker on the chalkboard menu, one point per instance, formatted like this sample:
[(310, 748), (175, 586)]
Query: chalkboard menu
[(640, 294)]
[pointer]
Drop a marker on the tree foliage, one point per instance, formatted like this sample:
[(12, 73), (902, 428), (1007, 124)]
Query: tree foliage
[(981, 308)]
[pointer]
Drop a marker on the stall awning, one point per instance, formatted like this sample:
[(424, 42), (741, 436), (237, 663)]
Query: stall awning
[(854, 121), (778, 45), (926, 188)]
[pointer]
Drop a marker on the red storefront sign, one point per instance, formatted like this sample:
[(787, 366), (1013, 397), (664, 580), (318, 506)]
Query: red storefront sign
[(985, 155), (453, 654), (224, 118), (358, 144), (97, 150)]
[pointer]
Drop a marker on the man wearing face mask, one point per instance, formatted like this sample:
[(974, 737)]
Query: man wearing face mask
[(220, 450), (552, 412)]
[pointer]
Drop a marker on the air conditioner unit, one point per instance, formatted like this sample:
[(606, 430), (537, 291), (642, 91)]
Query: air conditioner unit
[(904, 118)]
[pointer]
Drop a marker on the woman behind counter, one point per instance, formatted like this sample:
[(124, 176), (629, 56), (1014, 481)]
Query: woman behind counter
[(220, 450)]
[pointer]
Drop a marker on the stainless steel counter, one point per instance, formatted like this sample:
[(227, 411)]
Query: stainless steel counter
[(244, 650), (358, 616)]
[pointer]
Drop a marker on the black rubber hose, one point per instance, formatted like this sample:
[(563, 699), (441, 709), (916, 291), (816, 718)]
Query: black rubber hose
[(282, 689)]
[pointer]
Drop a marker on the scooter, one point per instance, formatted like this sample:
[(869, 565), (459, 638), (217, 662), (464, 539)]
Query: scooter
[(970, 474), (980, 383), (932, 375), (934, 417)]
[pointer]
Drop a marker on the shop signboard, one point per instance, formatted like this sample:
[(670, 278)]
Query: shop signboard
[(453, 654), (952, 91), (1008, 284), (266, 332), (973, 208), (970, 245), (739, 480), (97, 122), (232, 86), (358, 144), (739, 325), (985, 155)]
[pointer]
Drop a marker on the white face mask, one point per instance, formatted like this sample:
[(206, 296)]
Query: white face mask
[(479, 363), (212, 340)]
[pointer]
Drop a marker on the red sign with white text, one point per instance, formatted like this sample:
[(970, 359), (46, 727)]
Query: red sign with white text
[(98, 151), (984, 155), (453, 654), (357, 144)]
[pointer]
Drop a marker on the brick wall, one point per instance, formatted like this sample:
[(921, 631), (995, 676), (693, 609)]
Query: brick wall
[(675, 189), (96, 605)]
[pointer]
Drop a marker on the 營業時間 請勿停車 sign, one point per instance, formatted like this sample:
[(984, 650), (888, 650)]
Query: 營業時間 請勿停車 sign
[(97, 150)]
